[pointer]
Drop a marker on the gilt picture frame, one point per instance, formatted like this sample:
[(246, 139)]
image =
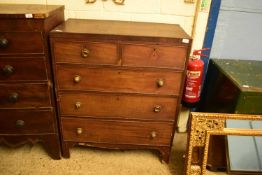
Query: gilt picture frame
[(204, 125)]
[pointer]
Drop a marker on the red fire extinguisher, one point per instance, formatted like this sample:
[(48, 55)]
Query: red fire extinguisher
[(193, 81)]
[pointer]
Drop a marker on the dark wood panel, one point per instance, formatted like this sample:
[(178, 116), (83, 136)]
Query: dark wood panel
[(26, 122), (118, 80), (20, 25), (118, 106), (24, 95), (86, 52), (117, 132), (146, 55), (21, 69), (22, 43)]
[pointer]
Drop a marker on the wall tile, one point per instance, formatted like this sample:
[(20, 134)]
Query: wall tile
[(177, 7), (134, 6)]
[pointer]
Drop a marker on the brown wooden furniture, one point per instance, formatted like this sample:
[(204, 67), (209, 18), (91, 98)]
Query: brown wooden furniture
[(27, 105), (118, 84)]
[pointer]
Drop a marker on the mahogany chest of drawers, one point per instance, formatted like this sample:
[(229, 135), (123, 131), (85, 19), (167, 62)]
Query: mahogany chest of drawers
[(27, 105), (118, 84)]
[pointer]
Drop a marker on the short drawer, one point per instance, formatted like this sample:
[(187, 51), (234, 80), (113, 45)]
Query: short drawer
[(118, 106), (116, 132), (86, 52), (22, 69), (154, 56), (21, 43), (118, 80), (24, 95), (26, 122)]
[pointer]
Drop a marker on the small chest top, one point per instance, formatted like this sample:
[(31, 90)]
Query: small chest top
[(28, 10)]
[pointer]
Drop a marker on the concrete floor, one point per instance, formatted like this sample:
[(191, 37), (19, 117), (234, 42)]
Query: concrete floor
[(34, 160)]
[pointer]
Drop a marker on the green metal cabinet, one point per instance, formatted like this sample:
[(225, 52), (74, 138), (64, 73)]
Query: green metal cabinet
[(233, 86)]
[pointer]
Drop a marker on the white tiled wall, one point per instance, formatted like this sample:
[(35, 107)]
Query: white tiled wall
[(161, 11)]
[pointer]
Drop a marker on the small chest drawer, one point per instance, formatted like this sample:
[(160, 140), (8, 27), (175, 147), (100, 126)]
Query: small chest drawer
[(26, 122), (21, 43), (118, 106), (86, 52), (22, 69), (154, 56), (24, 95), (116, 132), (118, 80)]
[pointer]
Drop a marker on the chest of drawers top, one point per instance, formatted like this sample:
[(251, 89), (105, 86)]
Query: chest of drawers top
[(122, 30)]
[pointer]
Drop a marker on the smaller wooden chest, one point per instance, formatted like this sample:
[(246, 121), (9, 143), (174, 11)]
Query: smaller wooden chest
[(27, 104)]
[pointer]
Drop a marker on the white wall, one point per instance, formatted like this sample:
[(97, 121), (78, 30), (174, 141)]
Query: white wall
[(161, 11)]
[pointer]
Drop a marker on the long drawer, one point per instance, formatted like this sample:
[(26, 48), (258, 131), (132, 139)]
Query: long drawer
[(22, 69), (116, 132), (86, 52), (148, 55), (71, 77), (118, 106), (26, 121), (21, 43), (24, 95)]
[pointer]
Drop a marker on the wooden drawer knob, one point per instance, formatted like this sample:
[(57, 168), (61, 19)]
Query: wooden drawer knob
[(77, 105), (79, 131), (8, 70), (20, 123), (85, 52), (157, 109), (13, 97), (153, 134), (3, 42), (160, 83), (77, 79)]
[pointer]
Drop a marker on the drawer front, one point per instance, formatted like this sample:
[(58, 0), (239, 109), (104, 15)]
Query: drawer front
[(21, 43), (26, 122), (154, 56), (118, 106), (20, 25), (24, 95), (117, 80), (22, 69), (86, 53), (116, 132)]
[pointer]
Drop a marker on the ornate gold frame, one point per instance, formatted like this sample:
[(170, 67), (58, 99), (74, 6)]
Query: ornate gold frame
[(202, 126)]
